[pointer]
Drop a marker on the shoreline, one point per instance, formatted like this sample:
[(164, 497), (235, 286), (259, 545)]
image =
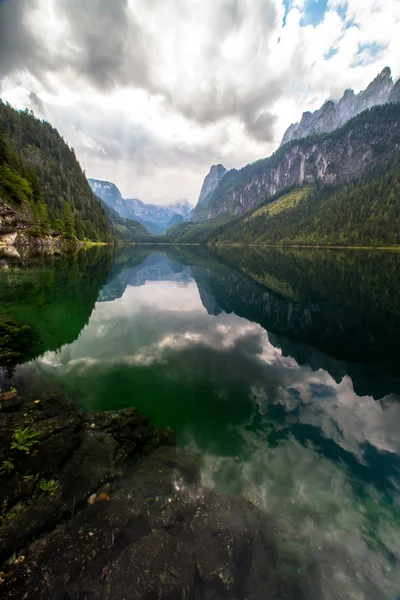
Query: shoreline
[(91, 501), (279, 246)]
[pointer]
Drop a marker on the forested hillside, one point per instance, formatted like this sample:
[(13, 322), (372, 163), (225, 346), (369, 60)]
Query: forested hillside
[(366, 212), (124, 230), (40, 171), (363, 212), (365, 142)]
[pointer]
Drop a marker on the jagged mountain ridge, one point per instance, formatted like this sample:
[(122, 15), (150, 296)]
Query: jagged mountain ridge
[(333, 115), (210, 183), (362, 144), (155, 218)]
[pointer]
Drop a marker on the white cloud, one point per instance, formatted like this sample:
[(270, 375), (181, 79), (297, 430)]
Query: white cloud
[(191, 83)]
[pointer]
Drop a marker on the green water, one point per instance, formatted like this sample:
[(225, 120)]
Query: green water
[(280, 367)]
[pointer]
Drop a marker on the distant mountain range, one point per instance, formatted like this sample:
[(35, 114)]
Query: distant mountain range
[(333, 115), (156, 219)]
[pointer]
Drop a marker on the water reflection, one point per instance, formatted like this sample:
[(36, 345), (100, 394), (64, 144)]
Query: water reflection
[(269, 365)]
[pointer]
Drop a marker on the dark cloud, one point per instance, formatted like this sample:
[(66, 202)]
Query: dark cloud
[(37, 102), (261, 126), (108, 45), (107, 136), (19, 48), (250, 106), (226, 90)]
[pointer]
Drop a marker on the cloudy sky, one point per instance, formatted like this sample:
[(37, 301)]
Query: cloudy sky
[(150, 93)]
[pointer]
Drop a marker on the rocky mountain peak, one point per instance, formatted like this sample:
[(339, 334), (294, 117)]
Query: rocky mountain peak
[(210, 183), (332, 115), (378, 90), (394, 95)]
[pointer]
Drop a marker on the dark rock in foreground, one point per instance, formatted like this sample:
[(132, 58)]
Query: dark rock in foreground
[(106, 507)]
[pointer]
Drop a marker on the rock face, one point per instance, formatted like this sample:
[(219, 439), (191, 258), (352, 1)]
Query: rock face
[(155, 218), (333, 115), (394, 95), (344, 155), (16, 231), (209, 185), (124, 516)]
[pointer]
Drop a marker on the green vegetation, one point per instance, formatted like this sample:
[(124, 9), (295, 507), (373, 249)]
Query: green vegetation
[(7, 467), (375, 128), (196, 233), (40, 173), (363, 213), (47, 305), (49, 486), (285, 202), (16, 340), (125, 230), (24, 439)]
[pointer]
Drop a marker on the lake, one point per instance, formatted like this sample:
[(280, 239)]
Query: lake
[(280, 368)]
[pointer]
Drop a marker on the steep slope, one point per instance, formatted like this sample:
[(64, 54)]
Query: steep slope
[(152, 213), (394, 95), (210, 184), (365, 212), (53, 183), (125, 230), (175, 220), (365, 142), (333, 115), (108, 192), (155, 218)]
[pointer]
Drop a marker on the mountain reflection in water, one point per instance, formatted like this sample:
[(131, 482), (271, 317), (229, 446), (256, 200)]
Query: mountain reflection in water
[(280, 367)]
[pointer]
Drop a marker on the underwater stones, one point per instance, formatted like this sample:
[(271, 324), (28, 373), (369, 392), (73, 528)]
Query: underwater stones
[(158, 566), (73, 560), (126, 516), (10, 402), (35, 518), (222, 530), (79, 459)]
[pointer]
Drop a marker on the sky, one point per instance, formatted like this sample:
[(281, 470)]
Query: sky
[(151, 93)]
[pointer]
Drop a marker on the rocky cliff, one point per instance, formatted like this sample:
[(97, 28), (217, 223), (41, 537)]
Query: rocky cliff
[(333, 115), (370, 139), (394, 95), (210, 183)]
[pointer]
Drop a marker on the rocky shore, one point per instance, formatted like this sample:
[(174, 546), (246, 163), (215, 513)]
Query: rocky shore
[(20, 237), (102, 506)]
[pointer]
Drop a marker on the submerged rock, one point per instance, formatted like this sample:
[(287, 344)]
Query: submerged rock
[(116, 511)]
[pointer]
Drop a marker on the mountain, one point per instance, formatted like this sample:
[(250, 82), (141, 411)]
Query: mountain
[(394, 95), (155, 218), (210, 183), (332, 115), (42, 183), (175, 220), (340, 188), (182, 207), (366, 141), (158, 215), (125, 230)]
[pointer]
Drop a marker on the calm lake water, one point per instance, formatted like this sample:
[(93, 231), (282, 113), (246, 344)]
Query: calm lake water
[(279, 367)]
